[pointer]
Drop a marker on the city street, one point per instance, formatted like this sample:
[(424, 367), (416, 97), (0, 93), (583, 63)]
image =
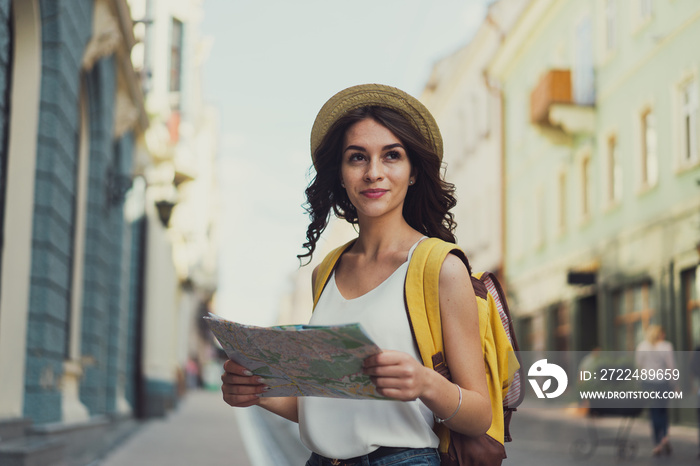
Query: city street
[(547, 437), (204, 431)]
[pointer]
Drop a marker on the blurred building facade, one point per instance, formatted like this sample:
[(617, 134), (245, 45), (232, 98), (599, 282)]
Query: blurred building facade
[(467, 105), (602, 205), (95, 295), (181, 182)]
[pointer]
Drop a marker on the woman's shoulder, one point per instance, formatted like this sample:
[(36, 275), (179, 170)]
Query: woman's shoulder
[(454, 265), (454, 276)]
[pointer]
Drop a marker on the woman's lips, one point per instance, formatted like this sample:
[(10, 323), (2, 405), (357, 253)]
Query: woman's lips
[(374, 193)]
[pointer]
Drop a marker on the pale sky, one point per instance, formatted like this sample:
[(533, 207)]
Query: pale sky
[(271, 68)]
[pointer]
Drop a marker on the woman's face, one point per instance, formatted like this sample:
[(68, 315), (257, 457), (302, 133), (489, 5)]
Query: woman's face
[(375, 169)]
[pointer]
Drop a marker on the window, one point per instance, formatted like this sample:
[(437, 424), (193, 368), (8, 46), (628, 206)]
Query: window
[(525, 333), (689, 122), (645, 9), (539, 332), (562, 328), (74, 321), (562, 202), (633, 312), (176, 36), (610, 25), (540, 226), (649, 158), (614, 172), (585, 187), (691, 306)]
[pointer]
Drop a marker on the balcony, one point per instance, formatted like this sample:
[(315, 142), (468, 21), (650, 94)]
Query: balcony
[(552, 105)]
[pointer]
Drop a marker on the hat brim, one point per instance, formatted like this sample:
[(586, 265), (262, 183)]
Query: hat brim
[(379, 95)]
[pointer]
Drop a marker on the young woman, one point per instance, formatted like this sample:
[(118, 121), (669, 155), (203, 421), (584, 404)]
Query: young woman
[(377, 153)]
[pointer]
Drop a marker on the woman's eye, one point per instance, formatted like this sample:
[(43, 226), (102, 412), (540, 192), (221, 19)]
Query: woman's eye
[(393, 155), (356, 157)]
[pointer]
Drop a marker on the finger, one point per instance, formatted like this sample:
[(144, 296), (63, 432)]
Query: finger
[(389, 371), (244, 389), (386, 358), (391, 382), (404, 369), (234, 368), (378, 359), (241, 380)]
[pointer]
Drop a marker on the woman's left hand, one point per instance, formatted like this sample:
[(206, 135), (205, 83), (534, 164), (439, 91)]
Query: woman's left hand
[(397, 375)]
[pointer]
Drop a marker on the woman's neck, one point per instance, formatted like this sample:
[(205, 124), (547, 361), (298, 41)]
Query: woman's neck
[(378, 235)]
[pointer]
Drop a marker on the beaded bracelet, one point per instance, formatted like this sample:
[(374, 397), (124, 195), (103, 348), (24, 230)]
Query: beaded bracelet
[(459, 405)]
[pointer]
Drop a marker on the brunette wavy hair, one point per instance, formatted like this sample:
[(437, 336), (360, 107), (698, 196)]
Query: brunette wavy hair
[(428, 200)]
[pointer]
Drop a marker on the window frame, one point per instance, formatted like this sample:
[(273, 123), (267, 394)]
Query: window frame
[(626, 315), (690, 301), (586, 166), (614, 173), (562, 198), (689, 155), (177, 40), (648, 159), (611, 25)]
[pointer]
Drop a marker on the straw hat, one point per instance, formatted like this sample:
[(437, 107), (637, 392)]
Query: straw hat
[(378, 95)]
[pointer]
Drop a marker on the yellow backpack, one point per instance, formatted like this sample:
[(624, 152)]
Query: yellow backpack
[(503, 373)]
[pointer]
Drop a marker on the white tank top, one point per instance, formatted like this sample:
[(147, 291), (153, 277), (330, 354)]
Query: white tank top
[(344, 428)]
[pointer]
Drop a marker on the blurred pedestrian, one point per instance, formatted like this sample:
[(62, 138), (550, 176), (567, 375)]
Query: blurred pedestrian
[(377, 153), (655, 355)]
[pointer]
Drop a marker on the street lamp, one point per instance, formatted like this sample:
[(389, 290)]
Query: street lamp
[(165, 210)]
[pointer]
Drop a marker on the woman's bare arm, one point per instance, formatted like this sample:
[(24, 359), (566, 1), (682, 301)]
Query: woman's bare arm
[(462, 341), (400, 376)]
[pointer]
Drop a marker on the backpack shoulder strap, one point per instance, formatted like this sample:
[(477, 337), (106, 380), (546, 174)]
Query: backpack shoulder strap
[(422, 297), (326, 267)]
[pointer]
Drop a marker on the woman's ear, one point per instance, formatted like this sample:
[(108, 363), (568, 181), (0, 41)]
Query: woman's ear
[(342, 184)]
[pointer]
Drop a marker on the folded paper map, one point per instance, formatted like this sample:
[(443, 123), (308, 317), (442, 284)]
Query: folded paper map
[(301, 360)]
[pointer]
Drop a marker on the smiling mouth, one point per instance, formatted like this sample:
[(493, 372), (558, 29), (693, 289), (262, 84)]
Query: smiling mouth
[(374, 193)]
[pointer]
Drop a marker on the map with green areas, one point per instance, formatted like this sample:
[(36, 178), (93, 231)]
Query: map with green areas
[(301, 360)]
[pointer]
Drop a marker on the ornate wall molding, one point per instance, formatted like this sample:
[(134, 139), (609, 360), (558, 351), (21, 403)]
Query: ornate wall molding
[(126, 113), (106, 34)]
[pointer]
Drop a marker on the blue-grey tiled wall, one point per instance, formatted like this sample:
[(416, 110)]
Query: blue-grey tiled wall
[(65, 29)]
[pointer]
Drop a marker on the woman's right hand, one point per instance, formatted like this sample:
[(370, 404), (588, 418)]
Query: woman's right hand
[(240, 387)]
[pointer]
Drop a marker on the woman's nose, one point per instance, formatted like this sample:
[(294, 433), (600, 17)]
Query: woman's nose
[(374, 170)]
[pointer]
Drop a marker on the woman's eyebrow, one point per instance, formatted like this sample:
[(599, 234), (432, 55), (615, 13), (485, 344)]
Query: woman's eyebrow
[(360, 148), (385, 148)]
